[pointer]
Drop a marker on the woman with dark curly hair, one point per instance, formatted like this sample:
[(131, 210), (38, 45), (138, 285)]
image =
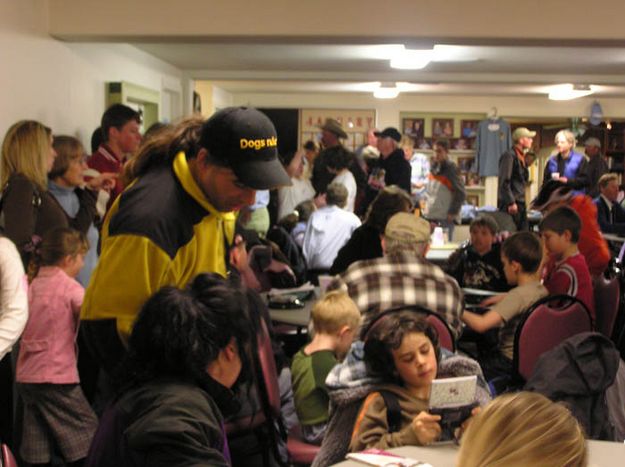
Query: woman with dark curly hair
[(365, 241), (185, 352)]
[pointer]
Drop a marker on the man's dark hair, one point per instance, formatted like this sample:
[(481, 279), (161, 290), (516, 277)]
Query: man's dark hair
[(96, 139), (116, 116), (525, 249), (443, 143), (178, 332), (336, 195), (340, 160), (561, 219), (386, 204), (387, 334), (310, 145)]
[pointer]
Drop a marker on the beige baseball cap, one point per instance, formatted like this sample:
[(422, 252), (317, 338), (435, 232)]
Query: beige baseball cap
[(407, 226)]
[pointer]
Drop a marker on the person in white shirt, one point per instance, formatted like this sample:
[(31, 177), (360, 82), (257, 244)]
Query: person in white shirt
[(300, 190), (13, 317), (328, 229), (339, 166)]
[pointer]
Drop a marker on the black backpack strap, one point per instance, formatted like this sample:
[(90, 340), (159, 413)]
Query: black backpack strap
[(393, 411)]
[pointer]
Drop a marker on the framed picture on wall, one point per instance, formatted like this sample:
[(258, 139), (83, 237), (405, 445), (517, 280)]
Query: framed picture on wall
[(465, 163), (442, 127), (468, 128), (413, 127)]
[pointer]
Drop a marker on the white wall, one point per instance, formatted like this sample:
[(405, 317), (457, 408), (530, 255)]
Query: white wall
[(63, 84)]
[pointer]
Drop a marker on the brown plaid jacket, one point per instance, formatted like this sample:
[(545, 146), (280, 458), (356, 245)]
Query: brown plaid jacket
[(378, 284)]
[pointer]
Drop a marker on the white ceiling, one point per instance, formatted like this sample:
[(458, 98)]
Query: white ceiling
[(327, 68)]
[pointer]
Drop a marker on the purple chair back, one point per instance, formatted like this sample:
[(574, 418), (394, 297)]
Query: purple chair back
[(607, 301), (6, 457), (544, 325), (445, 337)]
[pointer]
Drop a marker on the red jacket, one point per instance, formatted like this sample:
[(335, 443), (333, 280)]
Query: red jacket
[(591, 243)]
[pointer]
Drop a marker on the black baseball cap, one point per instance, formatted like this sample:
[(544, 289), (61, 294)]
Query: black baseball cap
[(245, 140), (389, 132)]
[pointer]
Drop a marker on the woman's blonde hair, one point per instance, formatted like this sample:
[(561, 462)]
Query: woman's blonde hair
[(25, 150), (567, 135), (522, 429)]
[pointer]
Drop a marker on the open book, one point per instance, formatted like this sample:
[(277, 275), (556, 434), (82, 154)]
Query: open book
[(383, 458)]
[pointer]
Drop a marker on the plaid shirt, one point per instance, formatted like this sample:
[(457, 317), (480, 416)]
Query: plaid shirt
[(378, 284)]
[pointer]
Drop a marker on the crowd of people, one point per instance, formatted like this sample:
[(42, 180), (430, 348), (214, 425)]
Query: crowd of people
[(150, 254)]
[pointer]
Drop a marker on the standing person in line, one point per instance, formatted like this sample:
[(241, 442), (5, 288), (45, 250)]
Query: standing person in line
[(28, 208), (419, 170), (177, 219), (121, 137), (597, 166), (56, 412), (567, 166), (13, 317), (445, 191), (397, 170), (67, 184), (340, 166), (299, 190), (514, 176)]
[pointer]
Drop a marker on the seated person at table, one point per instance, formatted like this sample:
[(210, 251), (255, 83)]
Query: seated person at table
[(328, 230), (521, 255), (185, 352), (610, 214), (402, 349), (478, 264), (336, 321), (522, 429), (566, 271)]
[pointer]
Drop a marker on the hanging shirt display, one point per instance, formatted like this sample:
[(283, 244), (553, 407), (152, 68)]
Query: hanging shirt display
[(493, 139)]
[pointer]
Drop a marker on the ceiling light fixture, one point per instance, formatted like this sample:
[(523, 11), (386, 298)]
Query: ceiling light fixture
[(565, 92), (410, 59), (386, 91)]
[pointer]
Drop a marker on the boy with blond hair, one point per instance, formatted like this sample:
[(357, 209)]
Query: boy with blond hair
[(336, 320)]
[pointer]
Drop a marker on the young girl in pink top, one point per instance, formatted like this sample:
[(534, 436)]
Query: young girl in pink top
[(57, 415)]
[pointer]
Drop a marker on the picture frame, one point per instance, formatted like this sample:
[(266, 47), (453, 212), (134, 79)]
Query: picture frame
[(473, 200), (468, 128), (414, 127), (442, 127), (465, 163)]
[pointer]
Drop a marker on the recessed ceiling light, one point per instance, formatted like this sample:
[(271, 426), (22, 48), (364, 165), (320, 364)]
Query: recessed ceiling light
[(565, 92), (412, 59), (386, 91)]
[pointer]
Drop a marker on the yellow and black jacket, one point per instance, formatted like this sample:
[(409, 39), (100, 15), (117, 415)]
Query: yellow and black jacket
[(160, 231)]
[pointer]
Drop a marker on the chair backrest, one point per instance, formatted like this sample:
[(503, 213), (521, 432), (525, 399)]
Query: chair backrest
[(547, 323), (6, 457), (445, 337), (607, 298)]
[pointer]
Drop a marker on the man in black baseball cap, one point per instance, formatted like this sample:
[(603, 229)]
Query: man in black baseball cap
[(245, 140), (397, 169), (177, 218)]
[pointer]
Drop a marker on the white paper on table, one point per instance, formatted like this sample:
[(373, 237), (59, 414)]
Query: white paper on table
[(385, 459)]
